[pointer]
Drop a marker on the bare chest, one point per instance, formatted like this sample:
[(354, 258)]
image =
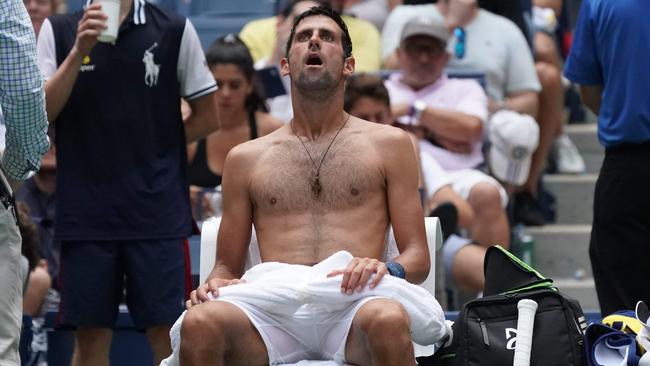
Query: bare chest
[(287, 179)]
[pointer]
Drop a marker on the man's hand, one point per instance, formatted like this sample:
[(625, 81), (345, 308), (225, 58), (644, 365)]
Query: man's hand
[(90, 27), (358, 272), (200, 295)]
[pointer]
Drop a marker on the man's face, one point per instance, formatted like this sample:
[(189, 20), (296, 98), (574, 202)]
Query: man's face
[(38, 11), (315, 60), (422, 59), (371, 109)]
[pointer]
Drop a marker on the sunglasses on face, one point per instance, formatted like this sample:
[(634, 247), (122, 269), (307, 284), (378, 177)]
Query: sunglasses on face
[(459, 50)]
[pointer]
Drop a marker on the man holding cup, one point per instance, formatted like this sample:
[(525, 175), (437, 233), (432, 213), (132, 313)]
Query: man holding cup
[(122, 202)]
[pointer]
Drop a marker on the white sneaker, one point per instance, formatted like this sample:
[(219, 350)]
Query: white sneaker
[(568, 158)]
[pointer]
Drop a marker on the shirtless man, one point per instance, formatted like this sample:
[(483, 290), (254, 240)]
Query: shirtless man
[(324, 183)]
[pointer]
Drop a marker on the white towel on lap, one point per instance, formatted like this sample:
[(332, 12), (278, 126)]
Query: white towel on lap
[(280, 288)]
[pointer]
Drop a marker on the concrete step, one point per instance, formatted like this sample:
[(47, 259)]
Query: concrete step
[(593, 161), (585, 137), (562, 251), (574, 196), (583, 290)]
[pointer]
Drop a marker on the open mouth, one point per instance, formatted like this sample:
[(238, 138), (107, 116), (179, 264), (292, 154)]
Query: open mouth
[(314, 60)]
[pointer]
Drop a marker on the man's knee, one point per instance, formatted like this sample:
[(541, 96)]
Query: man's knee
[(549, 76), (385, 321), (203, 322), (485, 197), (92, 342)]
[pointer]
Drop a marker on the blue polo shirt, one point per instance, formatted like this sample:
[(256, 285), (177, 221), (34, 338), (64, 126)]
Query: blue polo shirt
[(120, 137), (611, 48)]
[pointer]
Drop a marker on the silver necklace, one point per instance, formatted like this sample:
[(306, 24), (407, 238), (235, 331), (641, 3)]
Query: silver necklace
[(315, 185)]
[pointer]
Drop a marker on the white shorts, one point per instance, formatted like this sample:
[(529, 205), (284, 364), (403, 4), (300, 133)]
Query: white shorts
[(464, 180), (300, 312), (314, 332)]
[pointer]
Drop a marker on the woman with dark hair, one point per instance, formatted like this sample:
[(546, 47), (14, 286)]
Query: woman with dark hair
[(242, 114)]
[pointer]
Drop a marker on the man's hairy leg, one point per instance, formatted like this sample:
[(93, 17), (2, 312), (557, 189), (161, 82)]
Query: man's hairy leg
[(219, 333), (159, 341), (380, 335), (490, 221), (92, 346)]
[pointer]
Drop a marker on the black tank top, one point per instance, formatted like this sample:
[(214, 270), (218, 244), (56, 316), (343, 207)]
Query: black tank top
[(198, 172)]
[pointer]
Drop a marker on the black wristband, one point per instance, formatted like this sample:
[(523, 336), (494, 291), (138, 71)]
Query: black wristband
[(396, 270)]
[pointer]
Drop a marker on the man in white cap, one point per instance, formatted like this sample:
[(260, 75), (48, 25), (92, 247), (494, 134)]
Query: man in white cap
[(451, 114)]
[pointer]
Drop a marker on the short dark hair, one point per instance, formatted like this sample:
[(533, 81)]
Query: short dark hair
[(288, 9), (346, 42), (364, 85), (230, 49)]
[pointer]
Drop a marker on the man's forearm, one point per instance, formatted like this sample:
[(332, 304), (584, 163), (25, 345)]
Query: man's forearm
[(452, 125), (416, 264), (59, 86), (203, 120), (591, 96), (525, 103), (222, 271)]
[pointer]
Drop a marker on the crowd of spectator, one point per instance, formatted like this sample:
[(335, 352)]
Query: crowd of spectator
[(450, 73)]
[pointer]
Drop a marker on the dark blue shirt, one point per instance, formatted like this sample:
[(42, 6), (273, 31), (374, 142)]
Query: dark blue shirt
[(612, 48), (120, 138)]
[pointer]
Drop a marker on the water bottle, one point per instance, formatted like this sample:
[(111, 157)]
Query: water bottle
[(216, 201), (524, 245)]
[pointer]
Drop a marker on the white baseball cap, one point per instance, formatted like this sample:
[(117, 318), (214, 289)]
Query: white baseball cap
[(514, 138)]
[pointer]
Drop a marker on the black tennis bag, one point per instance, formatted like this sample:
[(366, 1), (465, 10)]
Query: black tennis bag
[(485, 332)]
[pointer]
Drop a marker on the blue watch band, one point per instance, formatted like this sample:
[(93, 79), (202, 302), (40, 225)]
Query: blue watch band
[(395, 269)]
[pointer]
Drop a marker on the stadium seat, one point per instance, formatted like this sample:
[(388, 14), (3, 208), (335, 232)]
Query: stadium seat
[(210, 27), (261, 8)]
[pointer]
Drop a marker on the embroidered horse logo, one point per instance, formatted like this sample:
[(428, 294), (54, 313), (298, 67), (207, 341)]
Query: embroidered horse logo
[(151, 68)]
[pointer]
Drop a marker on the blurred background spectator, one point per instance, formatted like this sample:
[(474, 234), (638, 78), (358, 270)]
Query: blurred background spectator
[(243, 116)]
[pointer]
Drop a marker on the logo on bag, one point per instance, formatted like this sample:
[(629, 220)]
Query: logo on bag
[(150, 67), (511, 338)]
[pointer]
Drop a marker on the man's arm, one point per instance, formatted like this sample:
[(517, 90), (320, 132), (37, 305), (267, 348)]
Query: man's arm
[(203, 120), (21, 94), (524, 102), (591, 95), (197, 86), (59, 86), (235, 229), (404, 206), (556, 5)]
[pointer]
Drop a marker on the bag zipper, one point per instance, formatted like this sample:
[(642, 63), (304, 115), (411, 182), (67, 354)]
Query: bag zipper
[(484, 332)]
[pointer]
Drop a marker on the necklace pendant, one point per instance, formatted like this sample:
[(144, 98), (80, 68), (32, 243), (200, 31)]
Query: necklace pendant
[(316, 187)]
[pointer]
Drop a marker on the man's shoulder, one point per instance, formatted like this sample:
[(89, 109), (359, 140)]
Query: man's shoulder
[(497, 24), (259, 25), (357, 25), (378, 133), (166, 16), (250, 151)]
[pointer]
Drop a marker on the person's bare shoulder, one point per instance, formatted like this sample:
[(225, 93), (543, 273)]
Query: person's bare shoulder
[(249, 152), (382, 136), (267, 123)]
